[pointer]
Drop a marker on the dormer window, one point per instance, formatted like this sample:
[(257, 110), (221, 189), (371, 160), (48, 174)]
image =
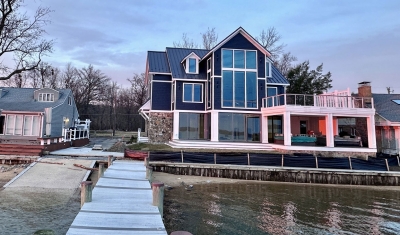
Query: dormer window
[(46, 97), (191, 63)]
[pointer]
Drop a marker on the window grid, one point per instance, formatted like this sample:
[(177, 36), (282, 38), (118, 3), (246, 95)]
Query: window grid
[(46, 97), (192, 87), (233, 69)]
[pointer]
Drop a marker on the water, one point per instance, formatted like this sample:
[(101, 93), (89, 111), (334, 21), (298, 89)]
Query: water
[(25, 210), (281, 208)]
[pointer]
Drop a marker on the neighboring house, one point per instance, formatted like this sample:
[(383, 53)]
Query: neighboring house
[(387, 122), (30, 116), (233, 95)]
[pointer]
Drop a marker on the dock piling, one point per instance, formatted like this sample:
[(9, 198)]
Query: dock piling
[(86, 192), (146, 160), (101, 170), (158, 196), (149, 173), (110, 158)]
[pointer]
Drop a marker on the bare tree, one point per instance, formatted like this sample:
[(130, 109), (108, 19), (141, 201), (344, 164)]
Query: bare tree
[(186, 43), (389, 90), (91, 87), (210, 38), (284, 64), (22, 38), (139, 89), (270, 40)]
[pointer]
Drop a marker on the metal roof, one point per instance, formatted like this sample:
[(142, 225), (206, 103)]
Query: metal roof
[(277, 77), (158, 62), (21, 99), (176, 55), (386, 108)]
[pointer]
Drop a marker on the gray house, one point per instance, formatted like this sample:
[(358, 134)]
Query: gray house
[(30, 116)]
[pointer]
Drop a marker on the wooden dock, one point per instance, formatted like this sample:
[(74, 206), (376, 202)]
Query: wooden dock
[(121, 204)]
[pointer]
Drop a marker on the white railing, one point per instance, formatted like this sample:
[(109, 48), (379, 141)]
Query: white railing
[(324, 100), (75, 134)]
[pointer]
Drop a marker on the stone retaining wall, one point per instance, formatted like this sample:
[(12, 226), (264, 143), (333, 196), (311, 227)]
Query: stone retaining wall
[(282, 174)]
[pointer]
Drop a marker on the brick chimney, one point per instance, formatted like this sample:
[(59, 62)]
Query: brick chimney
[(364, 89)]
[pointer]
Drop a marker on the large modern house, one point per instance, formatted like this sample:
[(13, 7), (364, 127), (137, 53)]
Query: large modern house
[(34, 120), (233, 96)]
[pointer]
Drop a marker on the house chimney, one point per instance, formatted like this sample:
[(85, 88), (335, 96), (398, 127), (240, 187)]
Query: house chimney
[(364, 89)]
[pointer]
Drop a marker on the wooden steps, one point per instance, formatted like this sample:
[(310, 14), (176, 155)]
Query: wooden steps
[(21, 149)]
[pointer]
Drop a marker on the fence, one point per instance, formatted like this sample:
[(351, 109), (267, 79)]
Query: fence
[(299, 160)]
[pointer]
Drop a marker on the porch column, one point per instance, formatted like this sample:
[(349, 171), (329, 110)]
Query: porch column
[(287, 129), (175, 128), (330, 140), (264, 129), (214, 126), (371, 132)]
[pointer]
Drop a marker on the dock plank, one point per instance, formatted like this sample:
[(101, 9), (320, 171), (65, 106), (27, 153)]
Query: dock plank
[(121, 204)]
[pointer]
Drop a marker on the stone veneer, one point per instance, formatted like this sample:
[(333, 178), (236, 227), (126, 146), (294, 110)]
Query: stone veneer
[(160, 127)]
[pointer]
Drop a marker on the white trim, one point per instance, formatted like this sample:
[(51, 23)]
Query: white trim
[(186, 63), (189, 80), (192, 101), (267, 60), (209, 84), (261, 78), (161, 81), (159, 73), (191, 55), (160, 111), (246, 35), (45, 97), (278, 84)]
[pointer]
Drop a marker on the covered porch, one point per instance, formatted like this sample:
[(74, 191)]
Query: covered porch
[(296, 121)]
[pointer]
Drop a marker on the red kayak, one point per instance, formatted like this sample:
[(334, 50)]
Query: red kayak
[(137, 155)]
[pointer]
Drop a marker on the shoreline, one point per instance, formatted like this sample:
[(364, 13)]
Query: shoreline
[(173, 180)]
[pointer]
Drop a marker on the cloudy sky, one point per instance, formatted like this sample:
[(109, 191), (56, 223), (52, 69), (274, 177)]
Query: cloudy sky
[(356, 40)]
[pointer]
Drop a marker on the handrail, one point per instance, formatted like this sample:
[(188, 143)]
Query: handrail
[(324, 100)]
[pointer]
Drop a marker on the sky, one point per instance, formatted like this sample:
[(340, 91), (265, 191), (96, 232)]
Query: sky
[(355, 40)]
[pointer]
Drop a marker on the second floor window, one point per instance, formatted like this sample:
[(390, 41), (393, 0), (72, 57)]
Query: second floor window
[(239, 79), (193, 92), (46, 97)]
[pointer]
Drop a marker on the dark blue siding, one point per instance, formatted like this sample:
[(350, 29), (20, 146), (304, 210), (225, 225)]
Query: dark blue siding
[(281, 90), (161, 96), (180, 105), (239, 42), (217, 93), (160, 77), (261, 92)]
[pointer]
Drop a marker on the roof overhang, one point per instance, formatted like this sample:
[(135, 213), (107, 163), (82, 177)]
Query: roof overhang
[(246, 35)]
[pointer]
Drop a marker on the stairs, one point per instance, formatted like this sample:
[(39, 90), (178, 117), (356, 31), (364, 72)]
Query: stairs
[(201, 144), (143, 140), (21, 149)]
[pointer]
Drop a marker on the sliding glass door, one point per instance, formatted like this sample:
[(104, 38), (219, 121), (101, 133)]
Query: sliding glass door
[(238, 127), (191, 126)]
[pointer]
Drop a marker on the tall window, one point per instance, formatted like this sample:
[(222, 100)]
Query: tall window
[(191, 126), (239, 79), (193, 92)]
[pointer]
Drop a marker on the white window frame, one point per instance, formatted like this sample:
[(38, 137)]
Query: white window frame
[(187, 65), (267, 60), (233, 69), (46, 97), (192, 101), (209, 83)]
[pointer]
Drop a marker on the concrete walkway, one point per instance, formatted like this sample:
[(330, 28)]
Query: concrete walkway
[(121, 204), (84, 152)]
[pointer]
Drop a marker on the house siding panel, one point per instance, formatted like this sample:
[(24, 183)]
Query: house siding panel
[(58, 114), (161, 96), (159, 77), (180, 105)]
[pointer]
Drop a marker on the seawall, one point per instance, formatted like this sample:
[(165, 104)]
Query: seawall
[(282, 174)]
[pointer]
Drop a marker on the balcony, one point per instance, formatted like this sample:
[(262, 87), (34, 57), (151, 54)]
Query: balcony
[(320, 101)]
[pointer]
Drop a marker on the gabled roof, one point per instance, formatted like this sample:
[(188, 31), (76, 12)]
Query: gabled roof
[(158, 62), (191, 55), (386, 108), (21, 99), (246, 35), (277, 77), (176, 55)]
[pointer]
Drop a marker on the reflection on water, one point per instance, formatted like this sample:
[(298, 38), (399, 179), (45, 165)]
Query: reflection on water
[(279, 208)]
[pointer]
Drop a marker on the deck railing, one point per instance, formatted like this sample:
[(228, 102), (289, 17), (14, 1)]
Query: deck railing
[(331, 101), (75, 134)]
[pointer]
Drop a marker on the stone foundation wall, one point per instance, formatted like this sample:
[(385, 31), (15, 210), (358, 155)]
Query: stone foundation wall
[(337, 154), (160, 127)]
